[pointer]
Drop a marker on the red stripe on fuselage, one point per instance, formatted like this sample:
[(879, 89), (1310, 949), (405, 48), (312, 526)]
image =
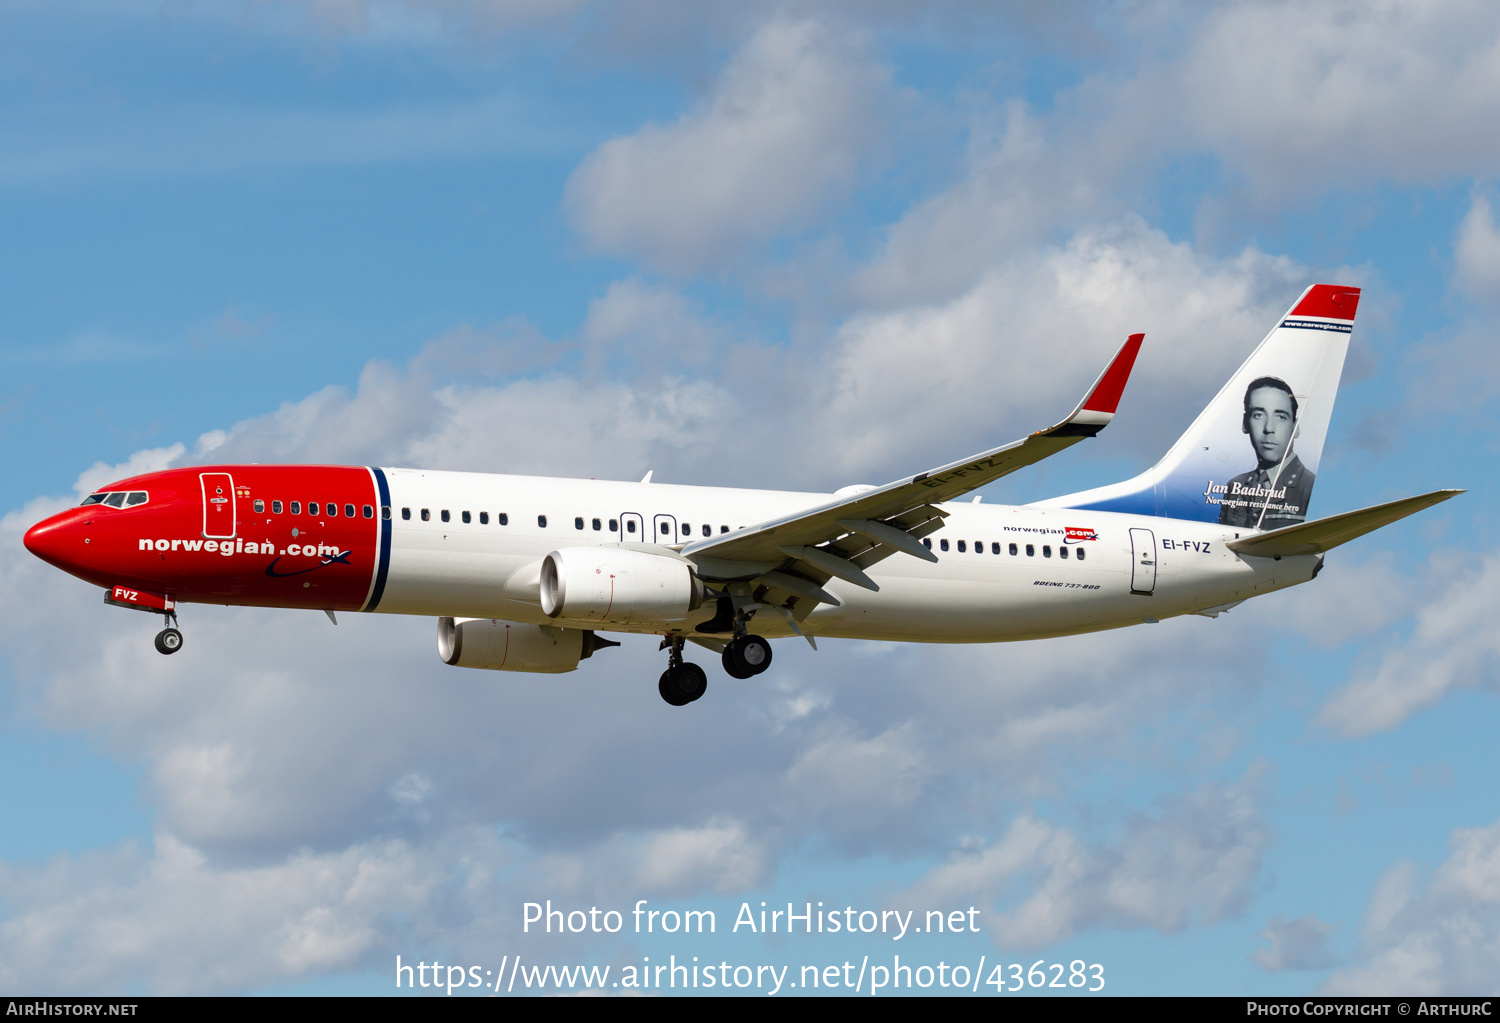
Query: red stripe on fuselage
[(105, 545)]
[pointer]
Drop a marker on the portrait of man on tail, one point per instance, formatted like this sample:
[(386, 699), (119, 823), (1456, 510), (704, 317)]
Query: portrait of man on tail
[(1276, 492)]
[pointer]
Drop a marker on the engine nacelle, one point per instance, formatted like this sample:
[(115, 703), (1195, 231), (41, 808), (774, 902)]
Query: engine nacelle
[(618, 586), (513, 646)]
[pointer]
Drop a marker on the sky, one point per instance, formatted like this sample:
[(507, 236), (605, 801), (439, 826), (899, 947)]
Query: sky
[(770, 244)]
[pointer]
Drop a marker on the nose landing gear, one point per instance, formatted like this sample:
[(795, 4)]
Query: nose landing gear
[(169, 640)]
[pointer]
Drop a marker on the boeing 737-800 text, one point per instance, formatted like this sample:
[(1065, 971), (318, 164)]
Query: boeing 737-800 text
[(525, 573)]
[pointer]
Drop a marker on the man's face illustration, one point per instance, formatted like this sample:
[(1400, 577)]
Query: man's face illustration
[(1271, 423)]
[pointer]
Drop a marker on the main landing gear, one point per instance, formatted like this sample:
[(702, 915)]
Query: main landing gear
[(747, 656), (682, 682), (169, 640)]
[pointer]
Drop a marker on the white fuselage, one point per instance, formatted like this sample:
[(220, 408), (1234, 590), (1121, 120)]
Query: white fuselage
[(1137, 568)]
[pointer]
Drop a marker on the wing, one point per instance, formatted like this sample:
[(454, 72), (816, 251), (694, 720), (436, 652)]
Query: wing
[(1323, 535), (795, 555)]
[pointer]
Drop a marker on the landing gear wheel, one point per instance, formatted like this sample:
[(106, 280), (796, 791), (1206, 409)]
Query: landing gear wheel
[(747, 656), (168, 641), (682, 684)]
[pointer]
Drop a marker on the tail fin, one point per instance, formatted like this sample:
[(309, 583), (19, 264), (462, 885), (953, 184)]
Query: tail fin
[(1251, 456)]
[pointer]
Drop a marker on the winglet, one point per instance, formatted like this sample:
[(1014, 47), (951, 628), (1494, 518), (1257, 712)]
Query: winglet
[(1095, 411)]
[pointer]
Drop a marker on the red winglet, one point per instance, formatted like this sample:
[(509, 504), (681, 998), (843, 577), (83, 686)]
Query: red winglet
[(1105, 397), (1330, 301)]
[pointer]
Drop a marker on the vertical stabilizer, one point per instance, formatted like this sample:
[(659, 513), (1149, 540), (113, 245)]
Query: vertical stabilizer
[(1251, 457)]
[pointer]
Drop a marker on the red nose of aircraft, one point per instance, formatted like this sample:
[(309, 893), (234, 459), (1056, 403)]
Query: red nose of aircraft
[(63, 540)]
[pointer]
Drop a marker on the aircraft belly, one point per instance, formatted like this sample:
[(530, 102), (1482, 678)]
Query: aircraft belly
[(975, 604)]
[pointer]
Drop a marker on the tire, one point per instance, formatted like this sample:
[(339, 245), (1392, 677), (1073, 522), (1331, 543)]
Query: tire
[(667, 687), (755, 652), (747, 657), (682, 685), (732, 666), (692, 682), (168, 641)]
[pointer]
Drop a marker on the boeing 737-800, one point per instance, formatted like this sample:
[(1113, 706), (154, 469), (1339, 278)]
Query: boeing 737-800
[(525, 573)]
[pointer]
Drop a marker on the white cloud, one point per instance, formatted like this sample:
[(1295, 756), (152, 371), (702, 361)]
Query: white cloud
[(1451, 646), (178, 924), (1300, 944), (1441, 940), (1015, 351), (1296, 96), (789, 121), (1476, 257), (1197, 859), (149, 460)]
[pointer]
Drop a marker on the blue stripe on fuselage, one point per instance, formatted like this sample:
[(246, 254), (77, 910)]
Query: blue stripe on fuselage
[(383, 565)]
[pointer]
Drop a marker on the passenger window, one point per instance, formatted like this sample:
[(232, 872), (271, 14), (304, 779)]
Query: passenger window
[(1080, 554), (597, 525), (963, 548), (260, 506), (943, 544), (333, 510), (1030, 551), (503, 519), (1062, 552), (541, 520), (707, 529), (723, 529), (630, 526), (444, 515), (614, 525), (687, 528), (426, 515), (139, 497), (978, 546), (927, 544), (406, 514), (466, 517), (1047, 552), (115, 500), (1013, 551), (994, 548), (484, 518), (578, 522), (369, 511), (349, 511), (665, 529), (385, 511), (275, 507), (296, 507)]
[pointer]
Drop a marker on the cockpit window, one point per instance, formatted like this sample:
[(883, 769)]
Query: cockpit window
[(117, 499)]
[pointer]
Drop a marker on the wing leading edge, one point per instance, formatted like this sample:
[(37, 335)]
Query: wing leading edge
[(797, 554)]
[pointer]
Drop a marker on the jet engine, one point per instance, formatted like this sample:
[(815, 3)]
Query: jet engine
[(617, 586), (513, 646)]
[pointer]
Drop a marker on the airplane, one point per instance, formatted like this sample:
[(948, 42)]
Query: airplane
[(525, 573)]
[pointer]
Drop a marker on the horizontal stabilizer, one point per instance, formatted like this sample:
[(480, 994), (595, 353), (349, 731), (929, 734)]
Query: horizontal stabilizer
[(1325, 534)]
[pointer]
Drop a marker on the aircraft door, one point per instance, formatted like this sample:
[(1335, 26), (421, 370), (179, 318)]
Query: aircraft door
[(664, 529), (218, 505), (633, 528), (1142, 561)]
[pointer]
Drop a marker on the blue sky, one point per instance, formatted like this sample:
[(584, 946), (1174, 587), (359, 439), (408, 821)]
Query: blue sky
[(791, 246)]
